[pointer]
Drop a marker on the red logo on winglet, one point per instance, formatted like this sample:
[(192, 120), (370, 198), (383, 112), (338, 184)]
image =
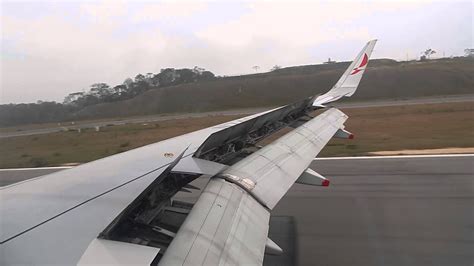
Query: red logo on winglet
[(364, 62)]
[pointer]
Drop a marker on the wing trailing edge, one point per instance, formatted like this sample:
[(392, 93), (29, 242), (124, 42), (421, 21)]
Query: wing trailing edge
[(343, 134), (268, 173), (312, 178), (272, 248)]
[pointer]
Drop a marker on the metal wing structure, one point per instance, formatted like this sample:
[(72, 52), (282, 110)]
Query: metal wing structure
[(122, 209), (229, 223)]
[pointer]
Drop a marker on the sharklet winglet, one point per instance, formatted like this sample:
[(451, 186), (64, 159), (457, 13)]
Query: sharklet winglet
[(349, 81)]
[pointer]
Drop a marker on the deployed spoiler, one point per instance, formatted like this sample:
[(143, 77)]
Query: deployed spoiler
[(217, 146)]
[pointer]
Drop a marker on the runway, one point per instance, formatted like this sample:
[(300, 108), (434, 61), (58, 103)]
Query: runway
[(396, 211), (245, 111), (11, 176), (414, 210)]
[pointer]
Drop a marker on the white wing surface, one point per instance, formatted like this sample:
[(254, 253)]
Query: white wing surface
[(272, 170), (229, 223), (226, 227), (349, 81)]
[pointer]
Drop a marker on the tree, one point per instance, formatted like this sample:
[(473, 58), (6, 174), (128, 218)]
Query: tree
[(14, 114), (256, 68), (427, 54), (72, 98), (127, 82), (149, 79), (186, 75), (100, 90), (167, 76), (149, 75), (155, 80), (207, 75), (139, 78), (119, 92), (198, 70), (275, 67)]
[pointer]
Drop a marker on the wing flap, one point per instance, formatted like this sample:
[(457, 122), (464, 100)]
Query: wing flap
[(312, 178), (273, 169), (198, 166), (225, 226), (106, 252)]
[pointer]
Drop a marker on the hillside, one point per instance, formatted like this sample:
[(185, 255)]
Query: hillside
[(384, 79), (196, 90)]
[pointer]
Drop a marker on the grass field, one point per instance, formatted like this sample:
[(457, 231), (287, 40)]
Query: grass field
[(426, 126), (376, 128)]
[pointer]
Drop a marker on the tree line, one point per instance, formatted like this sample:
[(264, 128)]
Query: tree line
[(43, 112)]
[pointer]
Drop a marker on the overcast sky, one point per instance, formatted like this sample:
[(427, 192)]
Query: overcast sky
[(50, 49)]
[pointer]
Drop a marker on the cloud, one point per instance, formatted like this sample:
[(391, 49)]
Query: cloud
[(68, 47), (168, 10), (59, 56), (297, 24), (105, 9)]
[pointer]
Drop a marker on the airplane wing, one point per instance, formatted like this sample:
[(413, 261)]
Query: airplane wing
[(229, 223), (122, 209)]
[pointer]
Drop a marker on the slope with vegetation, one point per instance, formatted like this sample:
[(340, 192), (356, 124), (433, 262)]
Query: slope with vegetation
[(197, 90)]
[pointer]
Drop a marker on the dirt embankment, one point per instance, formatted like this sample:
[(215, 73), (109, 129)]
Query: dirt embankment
[(384, 79)]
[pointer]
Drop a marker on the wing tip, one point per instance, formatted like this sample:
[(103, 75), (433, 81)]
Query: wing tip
[(341, 89)]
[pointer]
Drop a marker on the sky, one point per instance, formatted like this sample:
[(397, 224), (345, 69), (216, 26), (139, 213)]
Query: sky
[(53, 48)]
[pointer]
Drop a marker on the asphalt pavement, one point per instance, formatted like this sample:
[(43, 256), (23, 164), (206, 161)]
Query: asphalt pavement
[(246, 111), (11, 176), (395, 211), (415, 210)]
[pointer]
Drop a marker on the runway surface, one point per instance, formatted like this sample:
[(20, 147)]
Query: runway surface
[(10, 176), (246, 111), (415, 210), (397, 211)]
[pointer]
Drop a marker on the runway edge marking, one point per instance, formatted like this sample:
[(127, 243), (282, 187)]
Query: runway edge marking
[(394, 157), (315, 159), (36, 168)]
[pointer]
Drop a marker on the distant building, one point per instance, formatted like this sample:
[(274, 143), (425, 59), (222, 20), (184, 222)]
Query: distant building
[(469, 52), (329, 61)]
